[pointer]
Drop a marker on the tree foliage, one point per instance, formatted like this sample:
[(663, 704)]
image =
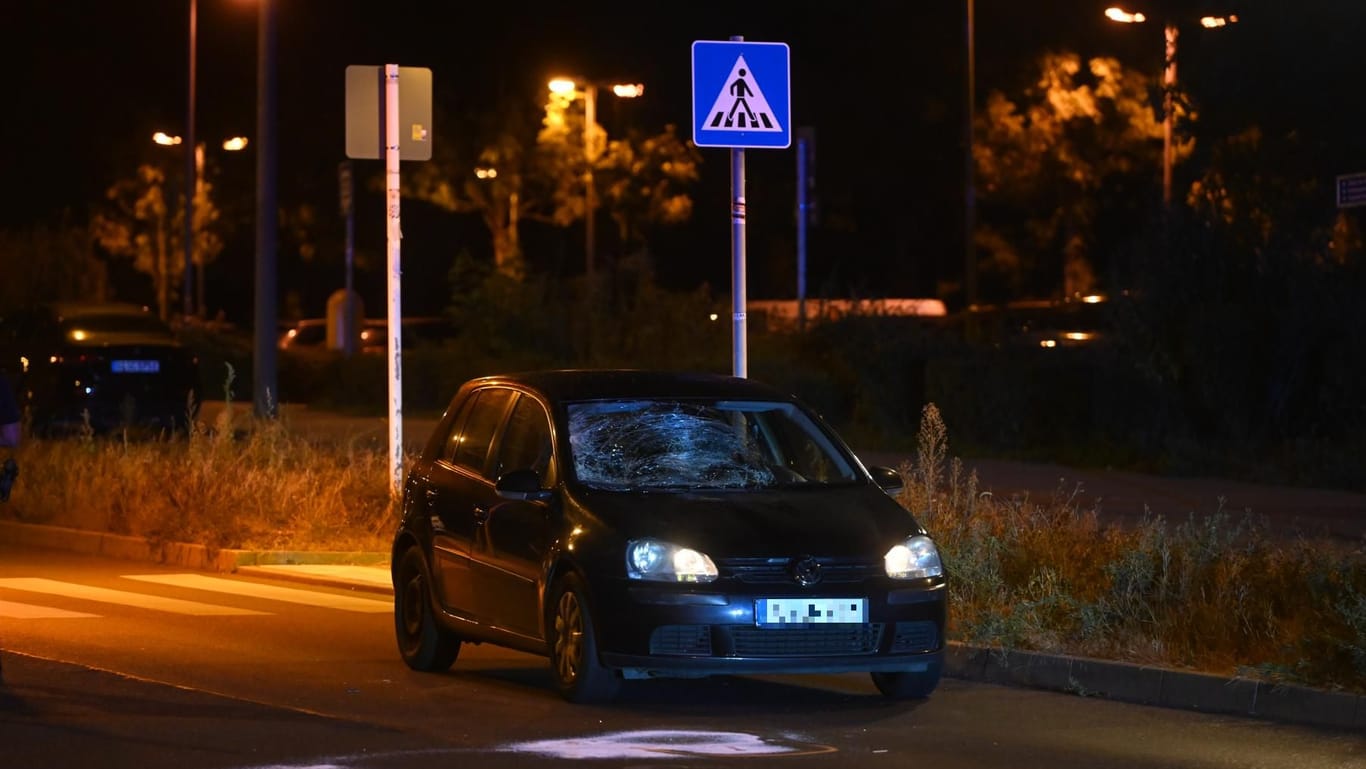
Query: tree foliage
[(487, 175), (644, 181), (512, 172), (139, 223), (135, 224), (1077, 149)]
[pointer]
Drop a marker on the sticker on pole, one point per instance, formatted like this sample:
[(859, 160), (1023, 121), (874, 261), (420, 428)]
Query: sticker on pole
[(741, 94)]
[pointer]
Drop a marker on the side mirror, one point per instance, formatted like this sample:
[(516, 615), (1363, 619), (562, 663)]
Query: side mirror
[(522, 485), (888, 480)]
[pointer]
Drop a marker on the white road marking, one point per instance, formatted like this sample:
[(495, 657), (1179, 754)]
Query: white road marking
[(121, 597), (269, 592), (12, 610), (666, 744)]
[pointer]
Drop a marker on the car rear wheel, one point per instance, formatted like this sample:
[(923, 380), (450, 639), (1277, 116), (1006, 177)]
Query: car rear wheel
[(907, 685), (423, 643), (573, 647)]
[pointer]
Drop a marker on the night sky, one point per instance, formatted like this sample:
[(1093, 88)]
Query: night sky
[(883, 84)]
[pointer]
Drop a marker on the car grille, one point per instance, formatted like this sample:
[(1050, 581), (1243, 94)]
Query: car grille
[(747, 641), (807, 642), (769, 571), (915, 637), (692, 640)]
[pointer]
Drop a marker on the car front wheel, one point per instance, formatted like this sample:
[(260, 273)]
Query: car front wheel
[(573, 647), (424, 645)]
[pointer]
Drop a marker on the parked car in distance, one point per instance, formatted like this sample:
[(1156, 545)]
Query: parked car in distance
[(117, 363), (638, 524), (304, 333), (1084, 323), (417, 331), (311, 334)]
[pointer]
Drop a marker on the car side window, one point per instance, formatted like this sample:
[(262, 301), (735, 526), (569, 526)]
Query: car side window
[(485, 415), (526, 441), (457, 433)]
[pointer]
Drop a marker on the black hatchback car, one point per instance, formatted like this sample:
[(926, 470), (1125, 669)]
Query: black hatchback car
[(118, 363), (636, 524)]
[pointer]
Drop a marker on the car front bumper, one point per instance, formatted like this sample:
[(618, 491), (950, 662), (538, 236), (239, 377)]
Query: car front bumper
[(649, 631)]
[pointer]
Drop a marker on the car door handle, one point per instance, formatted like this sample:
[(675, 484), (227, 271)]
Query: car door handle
[(481, 515)]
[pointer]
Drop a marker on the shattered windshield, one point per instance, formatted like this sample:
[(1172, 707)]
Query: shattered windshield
[(692, 444)]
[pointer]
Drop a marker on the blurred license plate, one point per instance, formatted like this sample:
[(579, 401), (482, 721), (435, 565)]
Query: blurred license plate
[(135, 366), (795, 612)]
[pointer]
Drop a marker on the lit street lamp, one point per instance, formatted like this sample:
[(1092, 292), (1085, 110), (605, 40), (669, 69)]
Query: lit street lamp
[(592, 146), (1168, 83)]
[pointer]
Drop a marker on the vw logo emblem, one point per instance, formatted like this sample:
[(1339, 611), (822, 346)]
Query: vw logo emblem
[(806, 570)]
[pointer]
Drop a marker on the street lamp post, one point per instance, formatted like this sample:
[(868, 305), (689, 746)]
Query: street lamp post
[(970, 166), (265, 391), (590, 128), (190, 170), (1168, 96), (1169, 34), (591, 150)]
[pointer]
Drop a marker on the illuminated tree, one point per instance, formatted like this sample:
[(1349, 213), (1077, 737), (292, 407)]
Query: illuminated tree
[(510, 172), (1073, 156), (137, 223), (485, 176), (643, 179)]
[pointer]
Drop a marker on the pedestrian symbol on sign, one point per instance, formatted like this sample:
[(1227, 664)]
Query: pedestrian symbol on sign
[(741, 105)]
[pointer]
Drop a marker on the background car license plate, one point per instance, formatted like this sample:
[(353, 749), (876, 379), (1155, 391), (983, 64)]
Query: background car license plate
[(789, 612), (135, 366)]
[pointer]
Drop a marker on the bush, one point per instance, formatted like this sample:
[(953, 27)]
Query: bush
[(1220, 594), (237, 484)]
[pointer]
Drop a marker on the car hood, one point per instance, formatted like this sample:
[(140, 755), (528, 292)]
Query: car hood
[(835, 521)]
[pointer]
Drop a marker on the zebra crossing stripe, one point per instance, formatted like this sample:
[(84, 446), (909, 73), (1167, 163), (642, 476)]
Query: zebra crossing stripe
[(268, 592), (13, 610), (121, 597)]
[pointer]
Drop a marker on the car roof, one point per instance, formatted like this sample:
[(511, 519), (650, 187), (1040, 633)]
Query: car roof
[(597, 384), (84, 309)]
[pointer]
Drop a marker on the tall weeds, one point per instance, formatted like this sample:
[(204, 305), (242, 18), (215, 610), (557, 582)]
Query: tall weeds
[(240, 483), (1217, 593)]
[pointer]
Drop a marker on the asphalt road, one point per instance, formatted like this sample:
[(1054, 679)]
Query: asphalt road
[(118, 664)]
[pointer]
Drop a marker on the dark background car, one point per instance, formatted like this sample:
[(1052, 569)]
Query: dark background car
[(632, 525), (118, 363), (311, 334)]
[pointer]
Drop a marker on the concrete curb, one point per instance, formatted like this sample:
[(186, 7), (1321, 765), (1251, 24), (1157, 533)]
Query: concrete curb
[(1121, 681), (1161, 687), (200, 557)]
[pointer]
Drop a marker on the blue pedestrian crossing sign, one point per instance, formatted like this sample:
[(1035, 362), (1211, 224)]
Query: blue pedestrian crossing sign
[(741, 94)]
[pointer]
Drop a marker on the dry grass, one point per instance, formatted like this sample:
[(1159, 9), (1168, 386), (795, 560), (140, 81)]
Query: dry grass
[(1219, 594), (236, 484)]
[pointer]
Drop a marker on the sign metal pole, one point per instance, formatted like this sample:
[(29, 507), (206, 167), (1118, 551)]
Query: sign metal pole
[(395, 237), (739, 342)]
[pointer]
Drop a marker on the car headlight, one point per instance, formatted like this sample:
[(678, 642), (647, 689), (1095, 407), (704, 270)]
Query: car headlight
[(651, 559), (916, 558)]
